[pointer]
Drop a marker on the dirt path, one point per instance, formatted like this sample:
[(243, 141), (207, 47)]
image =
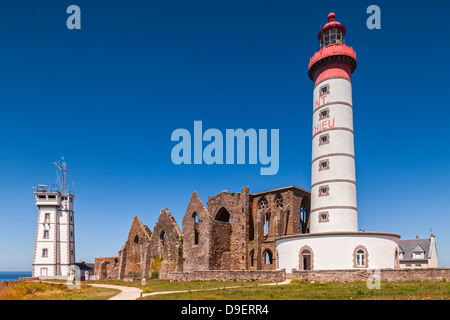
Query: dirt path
[(127, 293)]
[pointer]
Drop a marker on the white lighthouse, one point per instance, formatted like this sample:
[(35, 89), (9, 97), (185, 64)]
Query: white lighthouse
[(334, 241), (333, 181), (54, 250)]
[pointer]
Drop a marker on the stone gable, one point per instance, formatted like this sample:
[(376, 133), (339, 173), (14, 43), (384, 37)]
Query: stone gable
[(133, 254), (166, 245), (196, 236)]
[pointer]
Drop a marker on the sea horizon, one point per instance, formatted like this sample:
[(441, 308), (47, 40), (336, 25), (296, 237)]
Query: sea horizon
[(14, 275)]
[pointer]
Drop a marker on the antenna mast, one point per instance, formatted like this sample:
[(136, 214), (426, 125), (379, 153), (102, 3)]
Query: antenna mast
[(63, 167)]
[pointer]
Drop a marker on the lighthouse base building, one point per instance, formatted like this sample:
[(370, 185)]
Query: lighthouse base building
[(338, 250)]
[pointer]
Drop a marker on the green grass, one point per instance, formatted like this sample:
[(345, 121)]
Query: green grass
[(136, 284), (297, 290), (52, 291), (247, 290), (165, 285)]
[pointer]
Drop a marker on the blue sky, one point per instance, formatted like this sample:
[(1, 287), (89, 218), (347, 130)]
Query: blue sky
[(107, 98)]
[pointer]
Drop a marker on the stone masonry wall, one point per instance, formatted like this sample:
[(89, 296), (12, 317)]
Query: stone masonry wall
[(394, 275), (229, 275), (106, 267), (232, 248), (220, 253)]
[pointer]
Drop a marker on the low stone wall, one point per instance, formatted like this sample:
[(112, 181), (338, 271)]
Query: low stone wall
[(229, 275), (394, 275)]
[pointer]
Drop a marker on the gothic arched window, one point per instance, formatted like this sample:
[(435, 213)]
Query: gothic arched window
[(223, 215), (263, 205), (304, 218), (196, 233), (266, 223), (268, 257), (279, 201), (163, 237)]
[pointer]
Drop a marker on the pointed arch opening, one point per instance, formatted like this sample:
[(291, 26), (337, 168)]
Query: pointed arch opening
[(396, 258), (163, 238), (268, 256), (266, 223), (196, 232), (223, 215), (304, 216), (252, 257)]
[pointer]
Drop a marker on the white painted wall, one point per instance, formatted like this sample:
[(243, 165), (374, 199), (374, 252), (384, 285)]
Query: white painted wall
[(340, 142), (346, 169), (340, 203), (60, 244), (340, 90), (343, 111), (339, 219), (331, 252), (433, 261)]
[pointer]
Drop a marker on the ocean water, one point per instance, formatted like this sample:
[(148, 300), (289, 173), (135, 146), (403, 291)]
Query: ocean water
[(13, 275)]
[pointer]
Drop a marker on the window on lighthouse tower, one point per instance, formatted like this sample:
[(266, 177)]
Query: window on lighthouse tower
[(324, 139)]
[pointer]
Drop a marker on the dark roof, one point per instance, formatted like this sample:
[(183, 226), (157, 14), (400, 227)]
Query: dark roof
[(85, 266), (280, 189), (408, 247)]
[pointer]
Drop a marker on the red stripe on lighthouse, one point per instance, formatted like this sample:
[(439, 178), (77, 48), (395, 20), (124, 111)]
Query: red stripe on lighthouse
[(341, 70)]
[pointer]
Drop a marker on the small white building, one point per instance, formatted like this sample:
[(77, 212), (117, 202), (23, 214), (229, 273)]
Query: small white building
[(54, 250)]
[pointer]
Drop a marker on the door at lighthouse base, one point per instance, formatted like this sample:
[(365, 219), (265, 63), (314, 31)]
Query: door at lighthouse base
[(44, 272), (306, 260)]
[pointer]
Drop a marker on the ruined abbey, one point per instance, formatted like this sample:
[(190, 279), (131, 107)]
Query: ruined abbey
[(235, 231)]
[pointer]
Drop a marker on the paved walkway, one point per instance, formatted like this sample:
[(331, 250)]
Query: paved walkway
[(128, 293)]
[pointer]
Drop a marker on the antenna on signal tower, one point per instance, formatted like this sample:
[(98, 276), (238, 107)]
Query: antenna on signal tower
[(62, 166)]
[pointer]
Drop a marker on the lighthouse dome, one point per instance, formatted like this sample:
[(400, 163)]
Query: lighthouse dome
[(333, 32)]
